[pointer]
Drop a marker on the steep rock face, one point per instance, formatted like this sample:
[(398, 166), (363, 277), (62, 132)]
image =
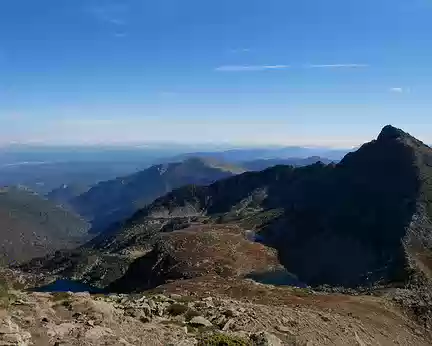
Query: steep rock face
[(352, 232)]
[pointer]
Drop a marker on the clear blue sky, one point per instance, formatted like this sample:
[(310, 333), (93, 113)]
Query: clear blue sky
[(244, 71)]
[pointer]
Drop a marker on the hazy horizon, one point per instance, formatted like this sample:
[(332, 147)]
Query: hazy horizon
[(335, 144), (185, 147), (244, 73)]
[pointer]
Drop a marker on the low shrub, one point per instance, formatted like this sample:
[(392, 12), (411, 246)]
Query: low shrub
[(59, 296), (191, 313), (222, 340), (177, 309)]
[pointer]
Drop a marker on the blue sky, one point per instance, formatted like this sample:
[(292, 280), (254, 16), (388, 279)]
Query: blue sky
[(307, 72)]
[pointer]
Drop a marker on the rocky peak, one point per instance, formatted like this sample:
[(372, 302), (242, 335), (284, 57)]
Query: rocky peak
[(391, 132)]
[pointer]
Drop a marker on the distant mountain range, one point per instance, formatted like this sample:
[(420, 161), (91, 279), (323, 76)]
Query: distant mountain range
[(44, 169), (31, 226), (43, 177), (364, 221), (241, 155), (112, 201)]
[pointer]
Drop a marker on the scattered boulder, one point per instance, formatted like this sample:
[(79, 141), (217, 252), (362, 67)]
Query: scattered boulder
[(60, 330), (98, 332), (11, 334), (283, 329), (231, 312), (200, 321), (228, 325), (122, 320), (175, 296)]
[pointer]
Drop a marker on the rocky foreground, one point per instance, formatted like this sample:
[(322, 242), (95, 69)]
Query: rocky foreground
[(264, 315)]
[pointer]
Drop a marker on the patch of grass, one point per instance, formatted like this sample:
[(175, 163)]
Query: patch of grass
[(172, 323), (6, 297), (19, 286), (159, 298), (67, 304), (191, 313), (186, 299), (222, 340), (206, 329), (60, 296), (4, 287), (177, 309), (62, 299), (191, 329), (301, 292)]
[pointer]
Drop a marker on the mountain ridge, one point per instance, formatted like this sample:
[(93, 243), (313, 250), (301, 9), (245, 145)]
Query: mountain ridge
[(112, 201)]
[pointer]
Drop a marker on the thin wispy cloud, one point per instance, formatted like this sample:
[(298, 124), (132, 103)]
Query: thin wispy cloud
[(399, 90), (396, 90), (240, 50), (114, 14), (120, 34), (337, 66), (246, 68)]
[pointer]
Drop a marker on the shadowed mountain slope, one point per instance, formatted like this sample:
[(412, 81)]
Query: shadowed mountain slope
[(31, 226), (260, 165)]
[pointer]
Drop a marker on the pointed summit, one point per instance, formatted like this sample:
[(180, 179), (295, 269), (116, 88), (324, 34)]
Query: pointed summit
[(391, 132)]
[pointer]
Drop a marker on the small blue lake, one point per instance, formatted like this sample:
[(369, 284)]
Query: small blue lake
[(279, 277), (67, 286)]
